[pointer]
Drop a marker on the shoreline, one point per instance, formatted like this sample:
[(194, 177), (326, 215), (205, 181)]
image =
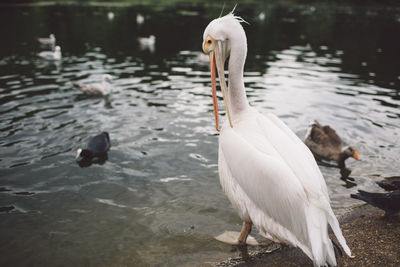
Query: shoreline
[(373, 240)]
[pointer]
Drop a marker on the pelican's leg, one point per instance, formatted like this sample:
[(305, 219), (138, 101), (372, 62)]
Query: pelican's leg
[(242, 238), (246, 230)]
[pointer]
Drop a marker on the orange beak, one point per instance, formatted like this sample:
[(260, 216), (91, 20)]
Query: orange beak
[(214, 89), (216, 52), (356, 156)]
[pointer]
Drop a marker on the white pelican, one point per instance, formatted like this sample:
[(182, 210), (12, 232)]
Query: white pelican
[(96, 89), (266, 171)]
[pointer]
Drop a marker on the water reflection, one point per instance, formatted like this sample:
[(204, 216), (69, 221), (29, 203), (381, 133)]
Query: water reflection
[(157, 199)]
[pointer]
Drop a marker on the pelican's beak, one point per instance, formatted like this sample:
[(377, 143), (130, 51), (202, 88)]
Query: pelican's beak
[(356, 156), (217, 53)]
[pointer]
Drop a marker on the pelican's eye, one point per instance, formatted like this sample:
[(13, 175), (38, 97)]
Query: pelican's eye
[(208, 44)]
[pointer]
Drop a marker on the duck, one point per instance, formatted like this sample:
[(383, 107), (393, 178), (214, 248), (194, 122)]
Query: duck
[(324, 143), (390, 183), (51, 55), (96, 89), (388, 202), (97, 146), (268, 174)]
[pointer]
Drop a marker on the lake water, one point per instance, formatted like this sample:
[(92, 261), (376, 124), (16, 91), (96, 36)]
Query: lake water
[(157, 200)]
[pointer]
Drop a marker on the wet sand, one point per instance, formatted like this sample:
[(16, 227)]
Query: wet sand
[(374, 241)]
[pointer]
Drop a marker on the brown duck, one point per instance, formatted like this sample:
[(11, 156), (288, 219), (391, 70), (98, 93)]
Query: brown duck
[(326, 144)]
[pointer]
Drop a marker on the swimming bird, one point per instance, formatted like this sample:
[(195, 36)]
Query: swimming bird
[(139, 19), (390, 183), (110, 15), (261, 16), (266, 171), (96, 147), (51, 55), (47, 42), (389, 202), (324, 142), (147, 43), (96, 89)]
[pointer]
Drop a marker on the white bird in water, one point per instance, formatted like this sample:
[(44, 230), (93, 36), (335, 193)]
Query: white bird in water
[(96, 89), (261, 16), (139, 19), (266, 171), (147, 43), (110, 15), (51, 55), (47, 42)]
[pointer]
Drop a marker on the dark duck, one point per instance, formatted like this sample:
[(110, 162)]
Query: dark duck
[(96, 148), (390, 183), (389, 202)]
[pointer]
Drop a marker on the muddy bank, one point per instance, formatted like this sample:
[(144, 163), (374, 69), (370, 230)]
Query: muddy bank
[(375, 241)]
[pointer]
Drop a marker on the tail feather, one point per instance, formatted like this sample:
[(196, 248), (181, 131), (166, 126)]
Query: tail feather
[(365, 196), (333, 222), (76, 85), (321, 245), (331, 256), (310, 127), (357, 196), (368, 194)]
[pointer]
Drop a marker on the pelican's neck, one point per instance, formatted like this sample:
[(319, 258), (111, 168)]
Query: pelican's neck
[(236, 91)]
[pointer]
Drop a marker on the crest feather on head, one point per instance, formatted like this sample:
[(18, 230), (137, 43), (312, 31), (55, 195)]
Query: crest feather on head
[(216, 26), (231, 16)]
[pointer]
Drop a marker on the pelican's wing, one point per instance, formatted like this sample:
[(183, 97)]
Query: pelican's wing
[(297, 155), (301, 161), (267, 181)]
